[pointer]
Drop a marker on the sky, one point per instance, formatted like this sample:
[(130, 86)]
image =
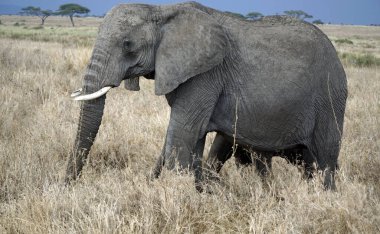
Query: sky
[(360, 12)]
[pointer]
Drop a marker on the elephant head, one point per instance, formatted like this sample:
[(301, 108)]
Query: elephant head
[(158, 42)]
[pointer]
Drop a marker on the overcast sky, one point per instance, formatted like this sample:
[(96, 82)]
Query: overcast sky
[(334, 11)]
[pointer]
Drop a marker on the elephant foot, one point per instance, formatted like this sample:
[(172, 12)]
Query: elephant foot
[(279, 198), (205, 187), (70, 181), (70, 178), (154, 174), (209, 180), (199, 187), (67, 182), (329, 180)]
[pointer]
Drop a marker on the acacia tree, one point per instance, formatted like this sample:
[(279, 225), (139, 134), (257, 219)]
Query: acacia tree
[(36, 11), (72, 9), (234, 14), (254, 15), (318, 21), (298, 14)]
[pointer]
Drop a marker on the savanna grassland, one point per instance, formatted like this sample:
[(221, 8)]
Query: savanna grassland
[(41, 66)]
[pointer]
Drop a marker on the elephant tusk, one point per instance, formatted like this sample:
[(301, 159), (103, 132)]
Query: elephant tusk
[(76, 93), (92, 96)]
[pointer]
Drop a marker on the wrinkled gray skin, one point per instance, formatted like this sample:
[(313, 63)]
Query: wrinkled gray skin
[(268, 85)]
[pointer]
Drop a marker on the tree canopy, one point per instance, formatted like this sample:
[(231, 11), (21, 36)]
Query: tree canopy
[(251, 15), (71, 9), (238, 15), (254, 15), (36, 11), (298, 14), (318, 21)]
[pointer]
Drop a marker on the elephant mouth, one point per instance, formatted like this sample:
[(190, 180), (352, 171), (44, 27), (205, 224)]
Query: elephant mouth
[(78, 96)]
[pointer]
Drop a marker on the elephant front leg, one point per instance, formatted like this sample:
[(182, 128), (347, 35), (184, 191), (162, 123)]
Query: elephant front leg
[(192, 105), (179, 149), (159, 164), (183, 149)]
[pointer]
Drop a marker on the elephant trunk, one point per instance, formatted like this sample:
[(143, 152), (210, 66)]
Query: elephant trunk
[(91, 114)]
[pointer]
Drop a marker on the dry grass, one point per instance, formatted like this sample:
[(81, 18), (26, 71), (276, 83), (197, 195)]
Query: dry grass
[(37, 129), (54, 21)]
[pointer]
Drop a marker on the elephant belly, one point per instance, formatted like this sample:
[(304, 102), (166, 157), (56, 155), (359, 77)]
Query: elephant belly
[(270, 123)]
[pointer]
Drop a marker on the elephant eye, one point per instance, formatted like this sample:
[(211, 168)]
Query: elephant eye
[(127, 44)]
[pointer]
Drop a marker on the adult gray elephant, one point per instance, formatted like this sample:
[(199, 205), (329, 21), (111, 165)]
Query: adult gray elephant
[(271, 84)]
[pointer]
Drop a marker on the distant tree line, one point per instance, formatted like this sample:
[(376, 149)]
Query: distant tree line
[(293, 13), (70, 10)]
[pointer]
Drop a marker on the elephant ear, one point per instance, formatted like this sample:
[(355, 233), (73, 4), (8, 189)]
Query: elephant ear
[(192, 43), (132, 84)]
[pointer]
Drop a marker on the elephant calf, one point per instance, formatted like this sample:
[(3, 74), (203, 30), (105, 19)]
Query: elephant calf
[(271, 84)]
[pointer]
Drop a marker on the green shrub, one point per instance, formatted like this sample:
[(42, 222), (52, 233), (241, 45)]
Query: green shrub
[(360, 60), (368, 46), (344, 41), (16, 36), (0, 22), (367, 60), (38, 27), (16, 24)]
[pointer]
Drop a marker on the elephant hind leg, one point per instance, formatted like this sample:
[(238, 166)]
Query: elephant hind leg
[(327, 162), (329, 167), (329, 180), (263, 163), (328, 134), (220, 152), (243, 157), (322, 157), (301, 156), (307, 161), (326, 151)]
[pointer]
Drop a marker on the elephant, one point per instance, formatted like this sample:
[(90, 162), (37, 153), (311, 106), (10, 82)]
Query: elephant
[(274, 84)]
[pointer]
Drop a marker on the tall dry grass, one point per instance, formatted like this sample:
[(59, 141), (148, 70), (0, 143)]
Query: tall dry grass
[(114, 195)]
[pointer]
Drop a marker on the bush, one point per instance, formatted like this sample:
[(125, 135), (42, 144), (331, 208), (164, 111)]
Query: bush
[(38, 27), (363, 60), (344, 41), (368, 46), (367, 60), (0, 22)]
